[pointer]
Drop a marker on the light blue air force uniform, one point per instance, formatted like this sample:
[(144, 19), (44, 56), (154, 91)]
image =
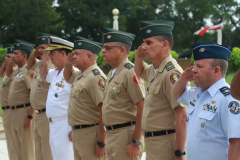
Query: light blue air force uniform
[(213, 118)]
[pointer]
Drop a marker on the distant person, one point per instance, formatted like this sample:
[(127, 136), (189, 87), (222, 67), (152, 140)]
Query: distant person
[(164, 119), (38, 98), (123, 99), (4, 90), (19, 101), (86, 97), (58, 97), (213, 128), (235, 86)]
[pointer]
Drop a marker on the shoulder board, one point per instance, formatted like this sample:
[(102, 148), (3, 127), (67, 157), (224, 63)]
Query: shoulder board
[(225, 91), (56, 68), (169, 66), (128, 65), (27, 67), (95, 72)]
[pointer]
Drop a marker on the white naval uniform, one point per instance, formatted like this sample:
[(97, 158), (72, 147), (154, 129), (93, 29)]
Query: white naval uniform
[(56, 109)]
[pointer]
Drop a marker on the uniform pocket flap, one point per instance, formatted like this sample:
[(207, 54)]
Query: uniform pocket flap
[(207, 115)]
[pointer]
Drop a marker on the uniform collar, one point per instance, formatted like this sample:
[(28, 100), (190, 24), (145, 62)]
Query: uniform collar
[(216, 86), (23, 67), (120, 66), (89, 69), (164, 63)]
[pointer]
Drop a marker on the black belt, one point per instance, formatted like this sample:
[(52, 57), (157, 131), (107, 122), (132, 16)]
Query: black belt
[(119, 126), (7, 107), (83, 126), (158, 133), (21, 106), (40, 110)]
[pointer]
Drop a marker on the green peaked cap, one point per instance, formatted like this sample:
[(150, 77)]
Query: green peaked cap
[(112, 35), (43, 38), (10, 48), (23, 45), (156, 27), (83, 43)]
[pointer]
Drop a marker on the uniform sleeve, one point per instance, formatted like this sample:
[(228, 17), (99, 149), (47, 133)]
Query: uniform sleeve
[(27, 78), (96, 89), (171, 78), (36, 64), (73, 76), (50, 75), (135, 87), (230, 117), (146, 72)]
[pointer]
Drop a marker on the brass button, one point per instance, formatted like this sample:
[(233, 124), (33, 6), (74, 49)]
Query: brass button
[(202, 124)]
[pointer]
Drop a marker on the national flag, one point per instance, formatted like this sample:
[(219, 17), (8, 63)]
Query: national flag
[(216, 26)]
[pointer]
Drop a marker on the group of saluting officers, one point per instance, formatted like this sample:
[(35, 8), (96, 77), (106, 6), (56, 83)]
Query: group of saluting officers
[(63, 107)]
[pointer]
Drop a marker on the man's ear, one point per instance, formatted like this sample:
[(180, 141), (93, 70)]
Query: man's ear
[(165, 45), (217, 70)]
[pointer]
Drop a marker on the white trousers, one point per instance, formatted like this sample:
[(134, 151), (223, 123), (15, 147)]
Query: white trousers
[(62, 148)]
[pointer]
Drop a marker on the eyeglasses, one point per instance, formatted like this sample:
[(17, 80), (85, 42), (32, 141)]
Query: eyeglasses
[(109, 47)]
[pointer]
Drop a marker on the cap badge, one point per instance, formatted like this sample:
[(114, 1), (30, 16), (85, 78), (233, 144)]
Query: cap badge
[(43, 39), (18, 44), (79, 43), (202, 50), (109, 36), (11, 49), (148, 31)]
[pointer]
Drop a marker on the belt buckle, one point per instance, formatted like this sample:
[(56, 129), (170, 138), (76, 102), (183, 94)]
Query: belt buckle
[(37, 111), (105, 128), (50, 119), (144, 134)]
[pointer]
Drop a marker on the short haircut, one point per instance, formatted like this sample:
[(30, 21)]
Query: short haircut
[(167, 37), (94, 55), (25, 52), (126, 46), (67, 51), (223, 65)]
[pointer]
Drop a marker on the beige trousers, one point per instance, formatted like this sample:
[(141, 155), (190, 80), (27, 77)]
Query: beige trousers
[(23, 142), (117, 142), (41, 137), (84, 143), (7, 124)]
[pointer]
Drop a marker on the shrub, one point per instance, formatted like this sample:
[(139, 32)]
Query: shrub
[(234, 60), (3, 52)]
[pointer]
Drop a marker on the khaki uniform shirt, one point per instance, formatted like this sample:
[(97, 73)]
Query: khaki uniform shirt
[(19, 91), (4, 88), (86, 93), (123, 90), (158, 111), (39, 90)]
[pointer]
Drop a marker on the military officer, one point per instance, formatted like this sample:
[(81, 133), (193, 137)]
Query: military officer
[(85, 104), (18, 100), (235, 85), (4, 90), (58, 97), (38, 98), (213, 131), (123, 99), (164, 120)]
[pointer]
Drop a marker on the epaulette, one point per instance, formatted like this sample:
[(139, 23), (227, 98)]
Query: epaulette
[(225, 91), (169, 66), (128, 65), (95, 72)]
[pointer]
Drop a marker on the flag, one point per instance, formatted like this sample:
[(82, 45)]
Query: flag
[(216, 26)]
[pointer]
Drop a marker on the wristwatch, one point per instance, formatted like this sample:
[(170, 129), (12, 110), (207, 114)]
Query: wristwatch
[(136, 142), (179, 153), (101, 144), (30, 117)]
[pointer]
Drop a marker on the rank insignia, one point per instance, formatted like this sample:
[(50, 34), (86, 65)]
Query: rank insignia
[(101, 83), (234, 107), (128, 65), (192, 103), (208, 107), (32, 74), (136, 79), (174, 78), (96, 72), (225, 91), (213, 101), (169, 66)]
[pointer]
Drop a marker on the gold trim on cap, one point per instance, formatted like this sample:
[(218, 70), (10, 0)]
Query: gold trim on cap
[(120, 33), (55, 46), (43, 36), (156, 25), (25, 44), (89, 42)]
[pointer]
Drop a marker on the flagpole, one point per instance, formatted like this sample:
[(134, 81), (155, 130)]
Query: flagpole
[(219, 36)]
